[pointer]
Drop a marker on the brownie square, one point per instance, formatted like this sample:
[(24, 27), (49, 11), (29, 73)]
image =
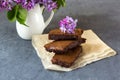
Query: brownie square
[(61, 46), (67, 59), (57, 34)]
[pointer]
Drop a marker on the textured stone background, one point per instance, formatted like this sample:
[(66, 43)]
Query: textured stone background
[(19, 61)]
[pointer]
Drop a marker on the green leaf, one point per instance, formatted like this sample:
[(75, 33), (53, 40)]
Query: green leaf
[(11, 15), (22, 22), (61, 3), (21, 15), (17, 13)]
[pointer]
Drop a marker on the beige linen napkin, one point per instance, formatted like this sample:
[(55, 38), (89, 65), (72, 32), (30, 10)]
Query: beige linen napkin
[(93, 50)]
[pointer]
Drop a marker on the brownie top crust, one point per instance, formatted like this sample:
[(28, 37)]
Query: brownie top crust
[(61, 46), (57, 34), (67, 59)]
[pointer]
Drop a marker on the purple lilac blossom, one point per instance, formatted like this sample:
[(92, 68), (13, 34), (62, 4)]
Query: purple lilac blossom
[(28, 4), (68, 25), (6, 4), (38, 1), (17, 1), (49, 5)]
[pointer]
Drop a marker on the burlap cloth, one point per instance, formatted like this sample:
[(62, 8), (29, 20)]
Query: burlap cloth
[(93, 50)]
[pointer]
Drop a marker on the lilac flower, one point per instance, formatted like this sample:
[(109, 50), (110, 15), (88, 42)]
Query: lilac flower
[(38, 1), (68, 25), (28, 4), (49, 4), (17, 1), (6, 4)]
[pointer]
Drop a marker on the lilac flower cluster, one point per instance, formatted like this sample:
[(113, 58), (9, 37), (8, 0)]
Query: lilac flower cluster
[(68, 25), (49, 4), (27, 4), (6, 4)]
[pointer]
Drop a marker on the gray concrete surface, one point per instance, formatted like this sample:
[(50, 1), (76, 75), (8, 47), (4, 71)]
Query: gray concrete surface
[(19, 61)]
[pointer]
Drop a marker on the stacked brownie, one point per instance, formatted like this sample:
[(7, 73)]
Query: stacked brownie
[(66, 46)]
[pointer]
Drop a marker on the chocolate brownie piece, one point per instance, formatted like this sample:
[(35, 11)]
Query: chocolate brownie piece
[(57, 34), (61, 46), (67, 59), (83, 40)]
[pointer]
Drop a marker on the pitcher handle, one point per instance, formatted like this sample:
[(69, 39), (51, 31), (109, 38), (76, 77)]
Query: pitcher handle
[(49, 19)]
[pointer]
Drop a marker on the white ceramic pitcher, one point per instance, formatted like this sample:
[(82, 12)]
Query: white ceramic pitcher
[(35, 21)]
